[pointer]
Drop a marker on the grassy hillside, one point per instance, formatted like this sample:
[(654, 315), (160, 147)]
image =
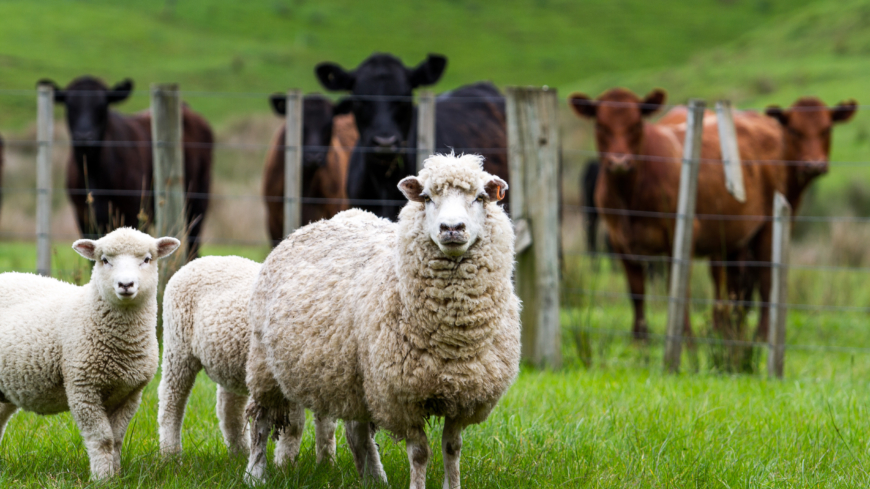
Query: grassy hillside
[(269, 45), (822, 50)]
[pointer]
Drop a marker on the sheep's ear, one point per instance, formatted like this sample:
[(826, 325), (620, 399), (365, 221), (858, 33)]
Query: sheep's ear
[(86, 248), (165, 246), (412, 188), (495, 189)]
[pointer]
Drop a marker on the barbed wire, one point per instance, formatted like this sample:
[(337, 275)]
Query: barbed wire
[(722, 263)]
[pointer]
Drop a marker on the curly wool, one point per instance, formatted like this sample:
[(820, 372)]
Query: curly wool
[(364, 319)]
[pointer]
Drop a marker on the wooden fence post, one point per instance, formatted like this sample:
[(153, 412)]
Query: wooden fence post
[(425, 127), (730, 150), (44, 136), (533, 158), (681, 266), (169, 202), (779, 286), (293, 161)]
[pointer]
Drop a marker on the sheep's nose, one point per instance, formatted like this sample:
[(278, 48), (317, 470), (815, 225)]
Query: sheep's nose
[(385, 141), (452, 227), (126, 285)]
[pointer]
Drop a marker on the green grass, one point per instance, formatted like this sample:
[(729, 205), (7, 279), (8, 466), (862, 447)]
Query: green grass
[(272, 45), (621, 422)]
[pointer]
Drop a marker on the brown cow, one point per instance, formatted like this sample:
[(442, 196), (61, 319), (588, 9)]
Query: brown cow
[(805, 136), (329, 135), (110, 166), (641, 173)]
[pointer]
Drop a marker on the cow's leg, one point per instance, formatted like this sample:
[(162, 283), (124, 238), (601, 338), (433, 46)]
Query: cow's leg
[(231, 418), (324, 436), (763, 251), (720, 308), (634, 273), (6, 412), (361, 441)]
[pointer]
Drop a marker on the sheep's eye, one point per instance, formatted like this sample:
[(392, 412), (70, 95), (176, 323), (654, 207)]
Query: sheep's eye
[(147, 260), (427, 199), (480, 199), (105, 261)]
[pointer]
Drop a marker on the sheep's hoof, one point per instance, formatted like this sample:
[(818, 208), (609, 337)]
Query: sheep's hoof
[(255, 477)]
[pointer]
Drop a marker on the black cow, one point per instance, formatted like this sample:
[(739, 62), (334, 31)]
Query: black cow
[(469, 119), (110, 168)]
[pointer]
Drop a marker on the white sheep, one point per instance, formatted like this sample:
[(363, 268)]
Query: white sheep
[(89, 350), (387, 324), (205, 326)]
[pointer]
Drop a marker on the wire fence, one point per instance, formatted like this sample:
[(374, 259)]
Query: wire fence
[(13, 190)]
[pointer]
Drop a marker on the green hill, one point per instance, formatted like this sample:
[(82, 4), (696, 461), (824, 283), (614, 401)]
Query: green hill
[(261, 46), (822, 49)]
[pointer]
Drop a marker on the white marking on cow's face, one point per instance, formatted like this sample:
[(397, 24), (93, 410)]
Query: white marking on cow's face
[(454, 219)]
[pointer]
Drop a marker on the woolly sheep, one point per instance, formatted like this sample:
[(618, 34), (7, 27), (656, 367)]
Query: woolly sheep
[(89, 350), (205, 326), (386, 324)]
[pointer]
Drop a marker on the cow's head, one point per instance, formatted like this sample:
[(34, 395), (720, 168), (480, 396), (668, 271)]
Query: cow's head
[(317, 114), (87, 101), (807, 132), (619, 123), (382, 88)]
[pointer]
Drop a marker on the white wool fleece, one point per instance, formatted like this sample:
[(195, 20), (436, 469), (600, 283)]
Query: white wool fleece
[(367, 320), (89, 350)]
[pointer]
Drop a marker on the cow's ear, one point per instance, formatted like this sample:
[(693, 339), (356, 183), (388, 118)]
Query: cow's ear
[(344, 106), (583, 105), (429, 71), (777, 113), (120, 91), (844, 111), (279, 103), (59, 95), (412, 188), (653, 102), (333, 77)]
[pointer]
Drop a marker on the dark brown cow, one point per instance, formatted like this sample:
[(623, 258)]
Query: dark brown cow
[(329, 135), (110, 167), (641, 172)]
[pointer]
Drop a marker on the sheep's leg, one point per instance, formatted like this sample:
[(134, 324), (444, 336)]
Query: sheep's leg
[(93, 423), (324, 436), (417, 446), (119, 420), (179, 375), (361, 440), (6, 412), (231, 417), (290, 435), (261, 426), (451, 446)]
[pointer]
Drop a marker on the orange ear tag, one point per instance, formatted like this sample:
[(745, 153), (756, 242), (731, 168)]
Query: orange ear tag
[(499, 192)]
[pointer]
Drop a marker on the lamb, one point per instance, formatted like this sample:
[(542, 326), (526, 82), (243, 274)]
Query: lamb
[(387, 324), (89, 350), (205, 326)]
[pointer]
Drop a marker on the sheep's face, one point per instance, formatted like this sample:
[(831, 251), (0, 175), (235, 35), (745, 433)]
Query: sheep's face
[(455, 215), (126, 268)]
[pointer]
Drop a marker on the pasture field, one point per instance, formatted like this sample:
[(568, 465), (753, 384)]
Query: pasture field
[(620, 422)]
